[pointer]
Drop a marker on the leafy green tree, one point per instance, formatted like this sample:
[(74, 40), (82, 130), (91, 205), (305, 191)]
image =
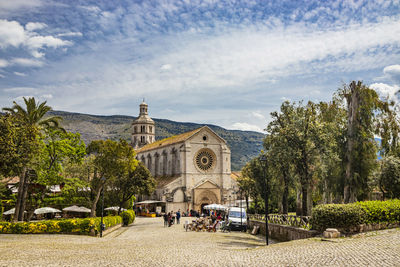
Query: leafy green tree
[(32, 119), (58, 149), (247, 184), (280, 154), (111, 160), (389, 180), (330, 170), (363, 105), (136, 182)]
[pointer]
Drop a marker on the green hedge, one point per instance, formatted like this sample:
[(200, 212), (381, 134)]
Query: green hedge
[(79, 226), (128, 217), (346, 216), (381, 211), (336, 216)]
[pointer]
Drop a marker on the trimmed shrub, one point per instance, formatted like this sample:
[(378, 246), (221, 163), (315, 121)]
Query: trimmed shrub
[(128, 217), (79, 226), (346, 216), (381, 211), (337, 216)]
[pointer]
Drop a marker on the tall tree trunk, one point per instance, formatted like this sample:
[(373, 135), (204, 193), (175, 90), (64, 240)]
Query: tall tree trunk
[(304, 205), (352, 106), (19, 195), (298, 202), (24, 196), (94, 204), (285, 195)]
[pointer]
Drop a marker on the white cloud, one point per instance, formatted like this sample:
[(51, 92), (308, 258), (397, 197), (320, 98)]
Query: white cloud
[(14, 5), (94, 9), (32, 26), (19, 74), (70, 34), (258, 115), (393, 72), (243, 126), (3, 63), (166, 67), (27, 62), (13, 34), (20, 90), (387, 91), (47, 96)]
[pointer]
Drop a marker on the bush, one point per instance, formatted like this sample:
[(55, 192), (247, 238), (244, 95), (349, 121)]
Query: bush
[(381, 211), (351, 215), (79, 226), (336, 216), (128, 217)]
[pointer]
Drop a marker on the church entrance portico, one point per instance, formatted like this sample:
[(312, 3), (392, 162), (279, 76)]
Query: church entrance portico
[(205, 194)]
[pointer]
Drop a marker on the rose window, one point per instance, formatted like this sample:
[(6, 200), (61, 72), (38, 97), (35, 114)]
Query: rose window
[(205, 159)]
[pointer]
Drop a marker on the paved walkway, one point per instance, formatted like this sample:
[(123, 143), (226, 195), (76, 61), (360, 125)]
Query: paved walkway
[(148, 243)]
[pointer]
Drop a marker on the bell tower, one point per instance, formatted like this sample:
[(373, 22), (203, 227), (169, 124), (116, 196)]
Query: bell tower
[(143, 128)]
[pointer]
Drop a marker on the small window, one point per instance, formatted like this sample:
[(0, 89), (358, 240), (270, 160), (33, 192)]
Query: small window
[(205, 138)]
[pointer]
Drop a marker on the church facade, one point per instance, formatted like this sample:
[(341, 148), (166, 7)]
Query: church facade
[(192, 169)]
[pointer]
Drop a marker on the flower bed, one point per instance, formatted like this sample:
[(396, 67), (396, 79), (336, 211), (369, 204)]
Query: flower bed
[(87, 226)]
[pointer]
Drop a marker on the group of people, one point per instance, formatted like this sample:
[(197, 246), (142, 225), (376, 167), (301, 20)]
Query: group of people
[(170, 217)]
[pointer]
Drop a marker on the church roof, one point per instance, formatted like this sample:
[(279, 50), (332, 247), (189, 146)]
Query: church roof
[(235, 175), (170, 140)]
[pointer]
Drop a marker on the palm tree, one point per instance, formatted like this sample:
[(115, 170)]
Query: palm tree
[(31, 117)]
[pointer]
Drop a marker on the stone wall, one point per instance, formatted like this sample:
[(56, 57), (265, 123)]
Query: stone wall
[(284, 232)]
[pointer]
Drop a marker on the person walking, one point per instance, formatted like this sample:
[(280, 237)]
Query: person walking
[(169, 219), (165, 216), (178, 216)]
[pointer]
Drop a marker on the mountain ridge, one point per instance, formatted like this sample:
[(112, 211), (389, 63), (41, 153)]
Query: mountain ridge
[(244, 145)]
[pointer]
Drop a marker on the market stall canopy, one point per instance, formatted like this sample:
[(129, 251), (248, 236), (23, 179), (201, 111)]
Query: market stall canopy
[(215, 207), (77, 209), (114, 208), (46, 210), (149, 202)]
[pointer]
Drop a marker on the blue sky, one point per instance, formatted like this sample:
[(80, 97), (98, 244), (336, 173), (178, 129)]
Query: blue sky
[(228, 63)]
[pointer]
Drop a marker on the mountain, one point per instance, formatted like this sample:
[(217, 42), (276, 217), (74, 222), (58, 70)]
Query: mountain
[(244, 145)]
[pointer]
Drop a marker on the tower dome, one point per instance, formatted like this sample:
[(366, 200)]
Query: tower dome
[(143, 128)]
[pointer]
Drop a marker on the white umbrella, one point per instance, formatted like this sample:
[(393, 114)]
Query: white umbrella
[(9, 212), (46, 210), (215, 207), (114, 208), (77, 209)]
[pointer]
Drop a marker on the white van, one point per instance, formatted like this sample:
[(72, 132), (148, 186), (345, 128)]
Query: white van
[(234, 215)]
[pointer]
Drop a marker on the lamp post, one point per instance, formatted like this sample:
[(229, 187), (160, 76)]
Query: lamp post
[(240, 206), (102, 226), (263, 161)]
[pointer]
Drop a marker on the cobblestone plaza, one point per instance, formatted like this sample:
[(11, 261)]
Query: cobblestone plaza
[(148, 243)]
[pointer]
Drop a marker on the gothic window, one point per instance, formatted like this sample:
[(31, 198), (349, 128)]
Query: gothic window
[(156, 164), (164, 163), (143, 129), (173, 164), (149, 163), (135, 129), (142, 139), (150, 129)]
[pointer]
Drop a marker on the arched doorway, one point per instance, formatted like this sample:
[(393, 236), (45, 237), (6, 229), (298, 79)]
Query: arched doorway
[(202, 210)]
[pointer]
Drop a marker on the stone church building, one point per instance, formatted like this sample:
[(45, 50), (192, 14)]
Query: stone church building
[(192, 169)]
